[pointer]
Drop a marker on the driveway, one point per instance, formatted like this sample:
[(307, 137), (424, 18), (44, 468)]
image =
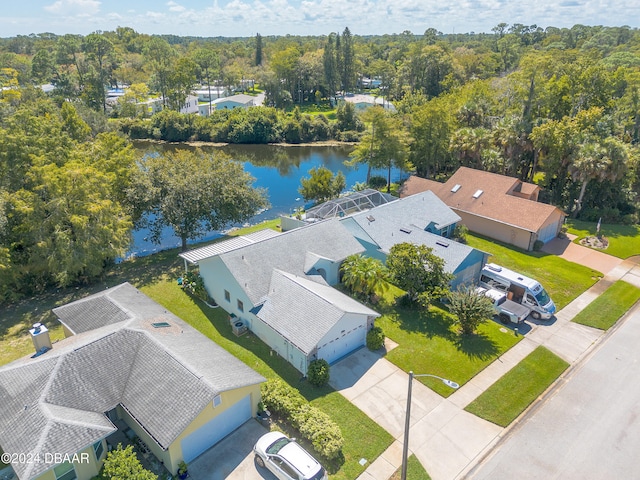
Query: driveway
[(232, 458), (445, 438), (565, 248)]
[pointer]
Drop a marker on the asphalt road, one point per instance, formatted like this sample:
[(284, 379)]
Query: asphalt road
[(588, 429)]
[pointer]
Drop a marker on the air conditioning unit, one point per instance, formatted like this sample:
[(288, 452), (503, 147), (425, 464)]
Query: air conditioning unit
[(239, 328)]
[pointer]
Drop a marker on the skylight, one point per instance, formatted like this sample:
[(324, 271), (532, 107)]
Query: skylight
[(405, 230), (160, 325), (456, 187), (442, 244), (478, 193)]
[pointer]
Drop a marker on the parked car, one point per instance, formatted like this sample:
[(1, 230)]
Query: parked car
[(506, 310), (286, 459)]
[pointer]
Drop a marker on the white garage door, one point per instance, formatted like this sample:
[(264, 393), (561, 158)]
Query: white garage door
[(344, 344), (216, 429), (548, 232)]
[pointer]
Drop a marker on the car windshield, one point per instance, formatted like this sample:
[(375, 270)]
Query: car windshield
[(276, 446), (319, 475), (543, 298)]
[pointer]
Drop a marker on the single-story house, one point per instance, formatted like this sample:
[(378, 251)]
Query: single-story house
[(154, 105), (260, 276), (129, 365), (422, 219), (496, 206), (234, 101), (362, 101)]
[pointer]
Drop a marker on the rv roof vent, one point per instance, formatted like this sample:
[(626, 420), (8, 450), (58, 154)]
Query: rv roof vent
[(478, 193), (456, 187), (520, 278), (494, 267), (371, 218), (405, 230), (442, 244)]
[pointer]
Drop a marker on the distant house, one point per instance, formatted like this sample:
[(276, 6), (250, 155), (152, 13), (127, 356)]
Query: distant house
[(421, 219), (496, 206), (279, 286), (362, 102), (154, 105), (234, 101), (130, 368)]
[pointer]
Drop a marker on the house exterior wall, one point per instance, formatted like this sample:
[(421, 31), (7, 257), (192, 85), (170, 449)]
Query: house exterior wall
[(468, 272), (347, 322), (280, 345), (217, 278), (85, 470), (496, 230)]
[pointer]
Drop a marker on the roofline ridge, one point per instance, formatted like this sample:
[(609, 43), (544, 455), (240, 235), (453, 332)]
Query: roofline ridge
[(38, 448), (52, 417)]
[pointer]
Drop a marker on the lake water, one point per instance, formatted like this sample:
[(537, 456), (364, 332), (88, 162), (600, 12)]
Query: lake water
[(277, 169)]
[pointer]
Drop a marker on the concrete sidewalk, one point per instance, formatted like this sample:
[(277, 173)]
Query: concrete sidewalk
[(447, 440)]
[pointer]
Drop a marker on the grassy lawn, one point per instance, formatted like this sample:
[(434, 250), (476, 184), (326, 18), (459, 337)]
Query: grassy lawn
[(415, 470), (605, 310), (624, 240), (562, 279), (429, 343), (214, 324), (503, 401)]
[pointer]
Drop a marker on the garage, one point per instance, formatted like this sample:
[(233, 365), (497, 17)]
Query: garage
[(343, 345), (216, 429)]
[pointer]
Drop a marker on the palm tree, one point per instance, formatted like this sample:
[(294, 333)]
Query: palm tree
[(364, 276)]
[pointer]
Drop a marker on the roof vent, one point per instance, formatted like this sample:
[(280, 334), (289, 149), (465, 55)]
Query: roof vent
[(478, 193), (494, 267), (442, 244), (405, 230), (456, 187), (371, 218)]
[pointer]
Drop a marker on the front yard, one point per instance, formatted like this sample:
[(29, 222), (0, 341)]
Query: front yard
[(429, 343), (624, 240), (605, 310)]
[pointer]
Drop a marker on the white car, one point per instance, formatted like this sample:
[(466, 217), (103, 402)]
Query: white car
[(286, 459)]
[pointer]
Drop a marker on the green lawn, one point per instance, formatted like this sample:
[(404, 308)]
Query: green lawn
[(429, 343), (624, 240), (562, 279), (506, 399), (415, 470), (214, 323), (605, 310)]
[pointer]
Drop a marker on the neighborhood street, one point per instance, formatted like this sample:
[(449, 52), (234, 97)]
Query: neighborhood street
[(588, 428)]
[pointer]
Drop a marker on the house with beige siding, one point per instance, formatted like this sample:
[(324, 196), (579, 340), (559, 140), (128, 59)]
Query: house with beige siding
[(497, 206), (128, 369)]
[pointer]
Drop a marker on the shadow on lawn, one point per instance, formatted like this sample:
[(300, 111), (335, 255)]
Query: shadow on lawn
[(477, 345)]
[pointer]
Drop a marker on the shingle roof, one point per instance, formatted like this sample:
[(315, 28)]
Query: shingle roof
[(303, 311), (386, 232), (494, 202), (80, 317), (164, 377), (252, 266)]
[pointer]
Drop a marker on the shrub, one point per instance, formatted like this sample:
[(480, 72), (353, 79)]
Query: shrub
[(193, 284), (460, 233), (318, 372), (375, 339), (316, 426), (537, 245), (377, 181), (312, 423)]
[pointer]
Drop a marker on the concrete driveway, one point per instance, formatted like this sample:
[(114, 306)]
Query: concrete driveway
[(565, 248), (232, 458), (445, 438)]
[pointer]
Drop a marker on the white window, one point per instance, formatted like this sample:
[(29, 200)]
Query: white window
[(65, 471), (98, 449)]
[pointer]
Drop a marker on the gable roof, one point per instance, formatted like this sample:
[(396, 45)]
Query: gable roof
[(252, 266), (164, 377), (488, 195), (292, 298)]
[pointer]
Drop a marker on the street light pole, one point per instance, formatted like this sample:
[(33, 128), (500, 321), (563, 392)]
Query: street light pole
[(407, 419)]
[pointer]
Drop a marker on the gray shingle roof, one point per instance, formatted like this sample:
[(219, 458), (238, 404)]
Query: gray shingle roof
[(252, 266), (79, 317), (304, 311), (385, 231), (164, 377)]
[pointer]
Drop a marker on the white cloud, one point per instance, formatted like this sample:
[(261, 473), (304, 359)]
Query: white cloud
[(174, 7), (74, 7)]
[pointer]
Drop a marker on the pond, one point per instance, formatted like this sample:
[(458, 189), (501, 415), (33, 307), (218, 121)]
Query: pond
[(276, 168)]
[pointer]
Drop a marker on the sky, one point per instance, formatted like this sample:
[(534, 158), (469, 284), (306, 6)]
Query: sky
[(242, 18)]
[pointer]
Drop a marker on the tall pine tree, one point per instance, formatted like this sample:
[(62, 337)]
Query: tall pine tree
[(258, 49)]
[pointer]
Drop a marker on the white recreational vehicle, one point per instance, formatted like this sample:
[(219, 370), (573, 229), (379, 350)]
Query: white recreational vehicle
[(519, 288)]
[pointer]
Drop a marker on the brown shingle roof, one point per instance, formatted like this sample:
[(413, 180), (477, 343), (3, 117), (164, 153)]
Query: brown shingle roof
[(494, 202)]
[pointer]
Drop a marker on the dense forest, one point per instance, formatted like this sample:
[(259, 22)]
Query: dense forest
[(557, 106)]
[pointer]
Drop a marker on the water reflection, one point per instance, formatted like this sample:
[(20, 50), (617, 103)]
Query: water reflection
[(275, 168)]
